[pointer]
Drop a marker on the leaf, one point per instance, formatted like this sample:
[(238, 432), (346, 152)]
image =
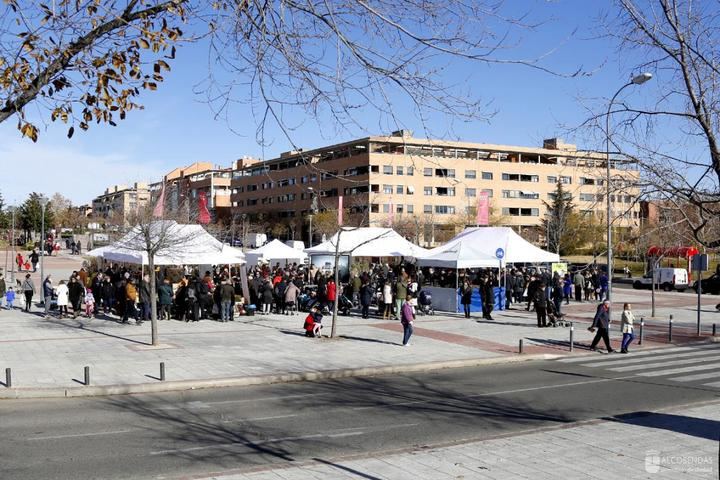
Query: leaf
[(29, 130), (70, 132), (144, 43)]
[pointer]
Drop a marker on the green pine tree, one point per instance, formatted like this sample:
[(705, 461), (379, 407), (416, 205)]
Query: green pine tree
[(558, 217)]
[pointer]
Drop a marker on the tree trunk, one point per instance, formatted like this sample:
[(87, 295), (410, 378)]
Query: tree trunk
[(153, 301), (333, 328)]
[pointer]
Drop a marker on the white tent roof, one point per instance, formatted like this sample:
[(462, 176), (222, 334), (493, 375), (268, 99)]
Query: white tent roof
[(185, 245), (275, 251), (477, 247), (369, 242)]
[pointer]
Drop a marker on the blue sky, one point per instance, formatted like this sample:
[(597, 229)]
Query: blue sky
[(177, 128)]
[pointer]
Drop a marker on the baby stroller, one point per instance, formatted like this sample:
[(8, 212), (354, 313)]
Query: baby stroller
[(554, 318), (344, 305), (425, 305)]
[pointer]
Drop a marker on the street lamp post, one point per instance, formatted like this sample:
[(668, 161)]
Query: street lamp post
[(313, 210), (12, 242), (43, 205), (636, 80)]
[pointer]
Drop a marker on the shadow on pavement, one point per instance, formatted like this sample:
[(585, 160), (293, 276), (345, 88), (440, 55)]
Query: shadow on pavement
[(349, 470), (84, 327), (695, 427)]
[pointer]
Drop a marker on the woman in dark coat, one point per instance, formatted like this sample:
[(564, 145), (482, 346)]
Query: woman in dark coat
[(366, 293), (267, 295), (75, 294), (466, 297)]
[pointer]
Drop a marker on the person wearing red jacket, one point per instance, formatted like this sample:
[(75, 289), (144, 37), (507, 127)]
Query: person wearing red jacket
[(331, 293)]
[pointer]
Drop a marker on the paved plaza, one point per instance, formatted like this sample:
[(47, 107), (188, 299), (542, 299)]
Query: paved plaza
[(51, 353)]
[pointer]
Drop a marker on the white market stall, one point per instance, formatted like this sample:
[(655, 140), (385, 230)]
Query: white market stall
[(275, 251), (363, 242), (181, 245), (479, 247)]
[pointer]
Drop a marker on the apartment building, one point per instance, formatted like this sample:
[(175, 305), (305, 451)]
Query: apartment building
[(119, 201), (184, 185), (384, 179)]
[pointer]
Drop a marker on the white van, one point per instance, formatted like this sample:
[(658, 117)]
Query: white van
[(665, 278), (296, 244)]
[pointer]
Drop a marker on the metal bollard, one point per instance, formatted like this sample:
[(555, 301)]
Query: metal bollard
[(87, 376), (520, 346), (642, 326), (714, 330), (572, 331), (8, 377), (670, 330), (162, 371)]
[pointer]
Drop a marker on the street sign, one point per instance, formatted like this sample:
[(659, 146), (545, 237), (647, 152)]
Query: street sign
[(499, 253), (699, 262)]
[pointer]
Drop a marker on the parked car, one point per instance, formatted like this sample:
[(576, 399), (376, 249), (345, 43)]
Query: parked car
[(710, 285), (666, 278)]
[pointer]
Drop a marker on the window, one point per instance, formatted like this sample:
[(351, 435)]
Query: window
[(399, 189), (444, 209), (587, 197), (427, 209), (427, 172), (410, 208), (587, 181), (552, 179), (386, 208), (470, 192), (520, 194), (399, 208), (387, 169), (399, 170), (470, 174), (517, 177), (487, 175), (566, 180), (410, 171), (628, 199), (445, 191), (375, 169), (445, 172), (488, 192), (374, 188), (374, 208), (388, 189), (521, 212), (410, 190), (427, 190)]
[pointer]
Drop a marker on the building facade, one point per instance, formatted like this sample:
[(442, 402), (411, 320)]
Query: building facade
[(119, 201), (434, 184)]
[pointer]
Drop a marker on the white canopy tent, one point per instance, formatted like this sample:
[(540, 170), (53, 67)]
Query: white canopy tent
[(184, 245), (478, 247), (275, 251), (368, 242)]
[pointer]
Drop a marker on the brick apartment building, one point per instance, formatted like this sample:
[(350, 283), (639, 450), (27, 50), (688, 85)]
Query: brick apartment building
[(387, 178)]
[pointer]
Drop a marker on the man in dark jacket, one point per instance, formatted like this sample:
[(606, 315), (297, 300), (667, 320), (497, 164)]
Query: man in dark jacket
[(227, 300), (601, 322), (76, 292), (533, 285), (145, 298), (540, 303), (487, 295)]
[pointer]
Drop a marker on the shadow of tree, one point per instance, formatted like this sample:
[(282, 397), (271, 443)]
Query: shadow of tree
[(695, 427), (52, 323)]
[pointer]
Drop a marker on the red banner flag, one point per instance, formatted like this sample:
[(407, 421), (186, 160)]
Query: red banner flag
[(340, 211), (159, 209), (482, 209), (203, 213)]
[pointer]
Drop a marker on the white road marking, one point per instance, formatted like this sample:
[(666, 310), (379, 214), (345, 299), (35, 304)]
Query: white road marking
[(644, 352), (674, 371), (79, 435), (631, 360), (203, 405), (664, 364), (345, 432), (699, 376), (714, 384)]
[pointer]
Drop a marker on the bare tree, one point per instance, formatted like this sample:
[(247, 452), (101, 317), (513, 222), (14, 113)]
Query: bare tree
[(675, 137)]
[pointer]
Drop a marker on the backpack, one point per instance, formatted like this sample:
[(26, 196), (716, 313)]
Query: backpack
[(191, 293)]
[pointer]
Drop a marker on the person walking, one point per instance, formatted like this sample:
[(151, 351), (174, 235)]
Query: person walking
[(487, 295), (407, 318), (567, 288), (626, 325), (28, 288), (47, 293), (539, 301), (227, 300), (603, 281), (401, 293), (601, 322), (466, 297), (108, 295), (3, 288), (34, 259), (579, 285), (63, 298)]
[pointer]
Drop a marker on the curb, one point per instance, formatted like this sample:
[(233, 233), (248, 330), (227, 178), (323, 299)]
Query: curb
[(180, 385)]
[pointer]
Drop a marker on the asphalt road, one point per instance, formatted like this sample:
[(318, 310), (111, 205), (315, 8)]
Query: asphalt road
[(180, 434)]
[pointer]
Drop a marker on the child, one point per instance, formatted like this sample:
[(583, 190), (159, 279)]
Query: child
[(313, 323), (10, 298), (89, 303)]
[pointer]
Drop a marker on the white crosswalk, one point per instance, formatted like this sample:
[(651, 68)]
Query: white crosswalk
[(696, 363)]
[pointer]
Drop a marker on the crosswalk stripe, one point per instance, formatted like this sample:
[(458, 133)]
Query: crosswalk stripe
[(632, 359), (699, 376), (644, 352), (674, 371), (664, 364)]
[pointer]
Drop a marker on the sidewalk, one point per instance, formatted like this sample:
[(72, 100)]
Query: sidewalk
[(682, 443), (47, 356)]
